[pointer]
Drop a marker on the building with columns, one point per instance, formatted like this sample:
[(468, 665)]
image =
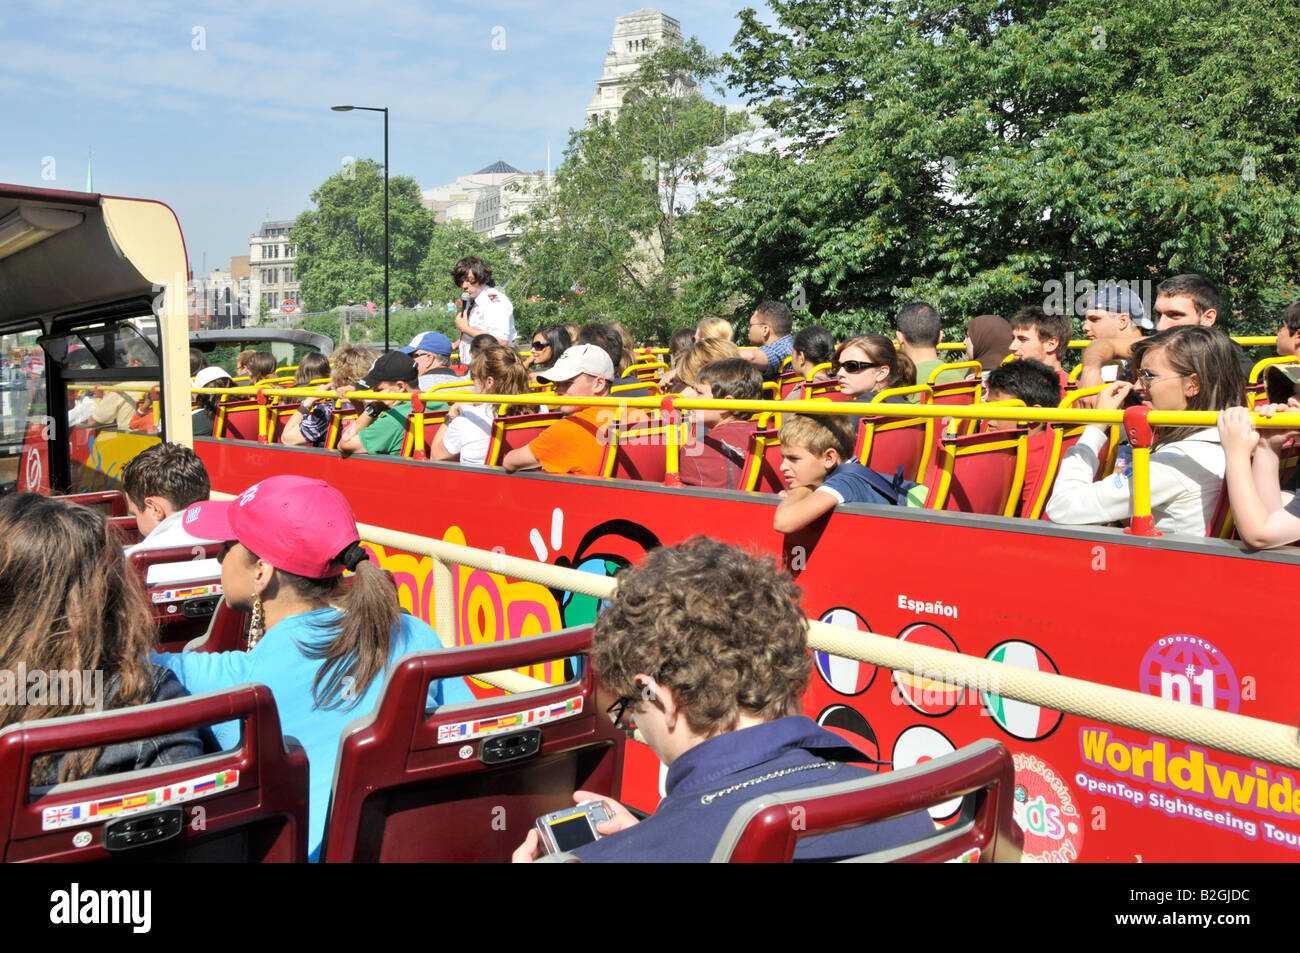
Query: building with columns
[(636, 35), (272, 261)]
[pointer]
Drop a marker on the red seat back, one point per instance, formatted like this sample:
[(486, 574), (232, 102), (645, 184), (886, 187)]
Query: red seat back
[(1039, 480), (248, 805), (434, 420), (887, 443), (467, 783), (762, 469), (957, 392), (979, 473), (638, 450), (237, 420), (767, 829), (513, 432)]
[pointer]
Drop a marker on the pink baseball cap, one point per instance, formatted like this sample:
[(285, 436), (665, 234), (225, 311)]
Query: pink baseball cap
[(295, 523)]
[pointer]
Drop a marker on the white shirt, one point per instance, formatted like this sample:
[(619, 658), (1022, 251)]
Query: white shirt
[(1186, 479), (167, 534), (493, 314), (469, 433)]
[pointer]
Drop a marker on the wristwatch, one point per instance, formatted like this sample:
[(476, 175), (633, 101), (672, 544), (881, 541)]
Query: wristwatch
[(371, 412)]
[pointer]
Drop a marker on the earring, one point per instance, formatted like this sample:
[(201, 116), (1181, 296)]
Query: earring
[(255, 630)]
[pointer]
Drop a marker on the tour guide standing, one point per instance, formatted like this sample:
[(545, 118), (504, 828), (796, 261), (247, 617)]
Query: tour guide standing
[(483, 309)]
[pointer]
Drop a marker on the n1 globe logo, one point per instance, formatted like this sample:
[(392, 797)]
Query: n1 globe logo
[(1185, 668)]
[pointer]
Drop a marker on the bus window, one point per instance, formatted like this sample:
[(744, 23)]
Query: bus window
[(110, 375), (24, 420)]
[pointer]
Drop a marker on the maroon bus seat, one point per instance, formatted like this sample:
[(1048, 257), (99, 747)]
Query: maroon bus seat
[(227, 631), (515, 431), (126, 528), (115, 500), (979, 473), (183, 609), (247, 805), (767, 829), (467, 782), (762, 470)]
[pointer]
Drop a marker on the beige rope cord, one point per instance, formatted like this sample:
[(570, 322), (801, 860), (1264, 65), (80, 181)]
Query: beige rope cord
[(1238, 734)]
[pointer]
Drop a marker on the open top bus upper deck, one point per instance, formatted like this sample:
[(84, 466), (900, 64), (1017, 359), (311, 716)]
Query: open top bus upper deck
[(1159, 616)]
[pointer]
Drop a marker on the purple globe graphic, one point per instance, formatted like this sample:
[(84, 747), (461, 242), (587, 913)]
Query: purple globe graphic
[(1189, 669)]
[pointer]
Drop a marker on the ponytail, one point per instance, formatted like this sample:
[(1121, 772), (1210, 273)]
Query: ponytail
[(357, 650)]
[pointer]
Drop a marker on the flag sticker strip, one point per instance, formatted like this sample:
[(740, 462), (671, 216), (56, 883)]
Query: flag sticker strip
[(87, 812), (464, 730), (190, 592)]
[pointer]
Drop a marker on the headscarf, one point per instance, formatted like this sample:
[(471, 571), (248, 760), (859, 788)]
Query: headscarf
[(990, 340)]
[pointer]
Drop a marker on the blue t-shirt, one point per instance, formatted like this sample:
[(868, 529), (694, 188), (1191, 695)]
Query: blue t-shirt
[(848, 483), (278, 662)]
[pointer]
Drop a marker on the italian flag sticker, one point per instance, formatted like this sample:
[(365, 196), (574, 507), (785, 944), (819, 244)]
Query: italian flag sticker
[(1019, 719)]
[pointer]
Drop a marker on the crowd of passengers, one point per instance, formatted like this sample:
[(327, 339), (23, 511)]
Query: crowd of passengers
[(1176, 358)]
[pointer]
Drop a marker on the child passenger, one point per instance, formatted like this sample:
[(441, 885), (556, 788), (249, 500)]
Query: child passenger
[(821, 473), (159, 483), (718, 458), (288, 541), (1038, 386)]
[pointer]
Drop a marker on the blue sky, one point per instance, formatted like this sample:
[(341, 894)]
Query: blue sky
[(240, 129)]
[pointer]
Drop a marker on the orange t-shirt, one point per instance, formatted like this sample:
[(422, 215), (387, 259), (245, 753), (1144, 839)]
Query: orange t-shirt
[(574, 444)]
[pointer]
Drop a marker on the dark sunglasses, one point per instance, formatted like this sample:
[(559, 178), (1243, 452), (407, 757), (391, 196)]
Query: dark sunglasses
[(540, 345), (855, 367), (225, 551)]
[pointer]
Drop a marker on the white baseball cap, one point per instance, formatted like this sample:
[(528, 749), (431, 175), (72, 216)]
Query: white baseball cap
[(580, 359)]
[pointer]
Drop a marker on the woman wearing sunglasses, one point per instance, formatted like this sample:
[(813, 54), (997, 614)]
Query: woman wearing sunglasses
[(1184, 368), (868, 364), (548, 344)]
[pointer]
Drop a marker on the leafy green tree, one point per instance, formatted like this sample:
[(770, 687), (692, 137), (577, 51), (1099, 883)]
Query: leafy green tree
[(607, 238), (980, 155), (341, 242), (448, 244)]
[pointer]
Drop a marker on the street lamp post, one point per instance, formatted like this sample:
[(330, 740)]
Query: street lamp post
[(384, 110)]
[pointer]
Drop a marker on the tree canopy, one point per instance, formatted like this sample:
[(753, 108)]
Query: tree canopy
[(341, 242), (970, 154)]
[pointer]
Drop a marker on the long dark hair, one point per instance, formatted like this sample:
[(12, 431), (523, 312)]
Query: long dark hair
[(1211, 356), (69, 603), (557, 336)]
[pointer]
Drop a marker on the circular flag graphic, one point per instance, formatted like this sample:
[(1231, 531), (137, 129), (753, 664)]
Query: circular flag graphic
[(844, 675), (1186, 668), (919, 744), (849, 724), (1021, 719), (927, 696)]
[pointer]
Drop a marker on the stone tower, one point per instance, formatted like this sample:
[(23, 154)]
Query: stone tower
[(635, 36)]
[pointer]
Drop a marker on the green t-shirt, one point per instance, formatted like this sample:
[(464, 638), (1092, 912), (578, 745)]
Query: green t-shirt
[(388, 432), (925, 368)]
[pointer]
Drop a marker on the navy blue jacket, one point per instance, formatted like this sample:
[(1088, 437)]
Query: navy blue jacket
[(690, 819)]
